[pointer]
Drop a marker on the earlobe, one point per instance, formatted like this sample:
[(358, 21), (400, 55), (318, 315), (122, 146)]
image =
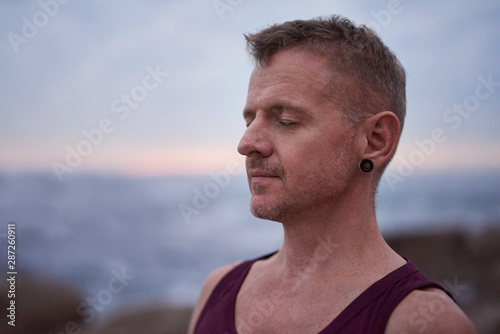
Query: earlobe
[(382, 136), (366, 165)]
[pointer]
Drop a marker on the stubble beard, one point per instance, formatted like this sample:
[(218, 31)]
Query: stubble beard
[(275, 212), (320, 189), (266, 210)]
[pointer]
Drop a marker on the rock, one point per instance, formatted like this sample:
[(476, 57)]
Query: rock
[(42, 306), (150, 319), (467, 264)]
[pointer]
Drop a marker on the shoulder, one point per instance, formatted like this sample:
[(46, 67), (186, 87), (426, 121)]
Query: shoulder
[(429, 311), (208, 286)]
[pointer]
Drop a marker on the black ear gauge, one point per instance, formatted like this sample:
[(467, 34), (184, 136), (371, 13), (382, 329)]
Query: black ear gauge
[(366, 165)]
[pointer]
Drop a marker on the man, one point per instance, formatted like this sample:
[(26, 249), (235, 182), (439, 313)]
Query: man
[(325, 107)]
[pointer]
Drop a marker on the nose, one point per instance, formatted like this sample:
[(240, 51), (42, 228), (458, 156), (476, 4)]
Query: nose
[(256, 139)]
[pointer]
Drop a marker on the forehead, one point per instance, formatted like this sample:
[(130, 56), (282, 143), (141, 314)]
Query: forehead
[(293, 76)]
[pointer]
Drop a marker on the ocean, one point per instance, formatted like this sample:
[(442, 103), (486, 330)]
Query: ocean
[(165, 234)]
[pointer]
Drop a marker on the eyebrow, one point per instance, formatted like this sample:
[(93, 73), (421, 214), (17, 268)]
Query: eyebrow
[(279, 107)]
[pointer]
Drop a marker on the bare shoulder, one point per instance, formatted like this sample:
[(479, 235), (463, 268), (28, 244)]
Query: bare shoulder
[(429, 311), (210, 282)]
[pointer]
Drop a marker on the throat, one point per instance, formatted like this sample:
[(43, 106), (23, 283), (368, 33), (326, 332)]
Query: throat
[(273, 302)]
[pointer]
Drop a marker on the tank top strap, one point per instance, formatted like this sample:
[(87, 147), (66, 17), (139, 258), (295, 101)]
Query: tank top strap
[(222, 301), (373, 307)]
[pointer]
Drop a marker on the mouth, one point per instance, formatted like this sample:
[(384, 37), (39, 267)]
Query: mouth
[(256, 175)]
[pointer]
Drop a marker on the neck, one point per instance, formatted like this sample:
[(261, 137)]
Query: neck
[(334, 238)]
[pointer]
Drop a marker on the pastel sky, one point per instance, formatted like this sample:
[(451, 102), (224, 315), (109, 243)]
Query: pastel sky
[(159, 86)]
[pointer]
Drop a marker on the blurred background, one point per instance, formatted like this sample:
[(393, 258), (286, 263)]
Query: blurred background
[(118, 163)]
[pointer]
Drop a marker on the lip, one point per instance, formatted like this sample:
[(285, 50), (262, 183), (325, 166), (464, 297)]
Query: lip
[(256, 174)]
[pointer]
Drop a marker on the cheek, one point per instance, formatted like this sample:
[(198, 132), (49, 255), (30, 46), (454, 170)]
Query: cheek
[(325, 150), (314, 151), (300, 162), (326, 158)]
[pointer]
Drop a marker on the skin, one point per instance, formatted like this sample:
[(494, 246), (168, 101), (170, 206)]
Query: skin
[(303, 170)]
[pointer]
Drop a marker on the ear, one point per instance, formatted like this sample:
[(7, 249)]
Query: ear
[(381, 132)]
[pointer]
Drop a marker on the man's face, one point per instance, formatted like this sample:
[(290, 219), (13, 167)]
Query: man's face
[(299, 149)]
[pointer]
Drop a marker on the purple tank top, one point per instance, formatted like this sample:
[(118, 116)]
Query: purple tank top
[(368, 313)]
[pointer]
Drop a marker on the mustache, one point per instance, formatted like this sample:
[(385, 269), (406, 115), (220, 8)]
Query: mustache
[(261, 164)]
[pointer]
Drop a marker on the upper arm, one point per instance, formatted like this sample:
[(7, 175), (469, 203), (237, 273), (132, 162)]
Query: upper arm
[(429, 311), (210, 282)]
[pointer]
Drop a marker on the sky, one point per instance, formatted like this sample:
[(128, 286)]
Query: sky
[(158, 87)]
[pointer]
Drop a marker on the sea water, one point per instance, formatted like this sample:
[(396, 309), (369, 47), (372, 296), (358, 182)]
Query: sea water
[(167, 233)]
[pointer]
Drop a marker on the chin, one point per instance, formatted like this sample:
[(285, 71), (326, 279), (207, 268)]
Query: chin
[(266, 215), (266, 210)]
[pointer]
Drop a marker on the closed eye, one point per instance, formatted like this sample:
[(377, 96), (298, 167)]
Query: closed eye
[(287, 123), (248, 116)]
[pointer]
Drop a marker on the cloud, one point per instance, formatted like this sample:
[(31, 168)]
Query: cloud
[(64, 79)]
